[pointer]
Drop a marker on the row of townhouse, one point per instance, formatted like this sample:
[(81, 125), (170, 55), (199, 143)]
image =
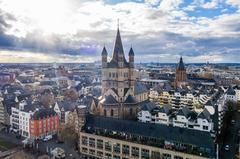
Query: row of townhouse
[(183, 117), (184, 98), (33, 121)]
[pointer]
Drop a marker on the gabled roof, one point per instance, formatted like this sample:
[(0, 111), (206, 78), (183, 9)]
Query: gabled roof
[(166, 109), (184, 112), (139, 88), (147, 106), (204, 114), (67, 105), (130, 100), (231, 91), (110, 100)]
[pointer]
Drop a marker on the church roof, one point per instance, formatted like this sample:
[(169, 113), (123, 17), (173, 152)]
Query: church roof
[(140, 88), (181, 65), (118, 50), (110, 100), (130, 100)]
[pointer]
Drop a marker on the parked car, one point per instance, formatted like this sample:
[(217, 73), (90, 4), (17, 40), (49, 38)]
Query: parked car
[(59, 141), (47, 138), (226, 147)]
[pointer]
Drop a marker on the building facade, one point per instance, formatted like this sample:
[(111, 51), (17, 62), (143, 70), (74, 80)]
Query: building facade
[(43, 122), (136, 140)]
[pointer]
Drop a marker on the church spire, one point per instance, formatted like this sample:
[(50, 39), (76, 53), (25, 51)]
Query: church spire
[(118, 47), (181, 64)]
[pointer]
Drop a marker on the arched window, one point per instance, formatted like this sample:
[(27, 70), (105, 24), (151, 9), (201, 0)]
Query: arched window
[(105, 112), (112, 112), (131, 111)]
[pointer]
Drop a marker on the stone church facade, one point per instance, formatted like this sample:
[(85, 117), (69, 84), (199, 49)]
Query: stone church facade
[(122, 96)]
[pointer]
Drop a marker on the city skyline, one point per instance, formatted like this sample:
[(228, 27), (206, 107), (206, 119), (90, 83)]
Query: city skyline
[(158, 30)]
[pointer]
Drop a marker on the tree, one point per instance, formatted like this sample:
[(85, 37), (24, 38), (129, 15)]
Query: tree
[(67, 133), (71, 94), (47, 98)]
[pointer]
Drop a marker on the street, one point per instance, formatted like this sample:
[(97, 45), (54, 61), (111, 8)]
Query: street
[(41, 147), (231, 139)]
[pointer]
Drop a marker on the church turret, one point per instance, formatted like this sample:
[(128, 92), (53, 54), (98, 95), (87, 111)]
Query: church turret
[(131, 58), (104, 57)]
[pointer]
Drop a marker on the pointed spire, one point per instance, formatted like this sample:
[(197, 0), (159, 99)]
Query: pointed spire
[(118, 48), (181, 64), (131, 53), (104, 51)]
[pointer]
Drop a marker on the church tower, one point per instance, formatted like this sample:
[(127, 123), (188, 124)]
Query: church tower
[(181, 75)]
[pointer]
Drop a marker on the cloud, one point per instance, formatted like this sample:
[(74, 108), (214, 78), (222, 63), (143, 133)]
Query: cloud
[(157, 29), (153, 2), (235, 3)]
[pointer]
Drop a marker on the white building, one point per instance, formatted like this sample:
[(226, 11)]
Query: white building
[(183, 117), (19, 119), (231, 95)]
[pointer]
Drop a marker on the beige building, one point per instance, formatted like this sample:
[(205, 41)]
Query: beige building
[(123, 139)]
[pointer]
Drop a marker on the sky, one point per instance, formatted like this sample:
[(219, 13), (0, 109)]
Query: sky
[(158, 30)]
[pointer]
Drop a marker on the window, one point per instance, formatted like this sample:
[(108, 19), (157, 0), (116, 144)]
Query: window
[(116, 148), (156, 155), (108, 146), (135, 151), (100, 144), (108, 155), (105, 112), (178, 157), (131, 111), (166, 156), (112, 112), (125, 149), (92, 152), (91, 142), (145, 154), (100, 154), (205, 127), (116, 157), (85, 150)]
